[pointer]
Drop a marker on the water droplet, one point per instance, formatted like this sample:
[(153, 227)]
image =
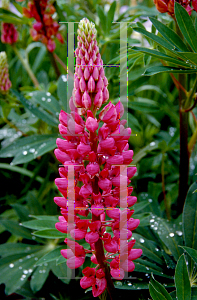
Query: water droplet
[(118, 283), (23, 276), (20, 268), (138, 288), (155, 228), (30, 270), (35, 258), (40, 271), (152, 220), (25, 152), (45, 264), (130, 283), (180, 223), (25, 272), (165, 284), (147, 268), (28, 256), (33, 237), (179, 233), (49, 100), (20, 260), (156, 249), (43, 98), (64, 78), (187, 61), (11, 265), (150, 200), (32, 150), (43, 271), (48, 94), (152, 144), (142, 240), (171, 234)]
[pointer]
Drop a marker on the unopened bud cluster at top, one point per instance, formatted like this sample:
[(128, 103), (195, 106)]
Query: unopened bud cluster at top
[(164, 6), (90, 84), (99, 187), (45, 29), (9, 34), (5, 83)]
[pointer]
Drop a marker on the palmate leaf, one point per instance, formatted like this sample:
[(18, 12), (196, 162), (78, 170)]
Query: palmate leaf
[(169, 35), (159, 40)]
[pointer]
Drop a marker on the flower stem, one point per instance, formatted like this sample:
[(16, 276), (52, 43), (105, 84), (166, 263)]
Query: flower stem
[(27, 67), (100, 256)]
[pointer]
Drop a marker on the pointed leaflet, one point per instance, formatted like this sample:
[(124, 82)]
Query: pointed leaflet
[(190, 218), (183, 288), (160, 289), (155, 294), (191, 252), (162, 42), (160, 69), (160, 55), (186, 26), (169, 34)]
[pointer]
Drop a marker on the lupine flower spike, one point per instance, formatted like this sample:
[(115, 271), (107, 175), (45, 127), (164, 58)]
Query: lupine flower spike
[(45, 29), (5, 83), (97, 182), (164, 6), (9, 34)]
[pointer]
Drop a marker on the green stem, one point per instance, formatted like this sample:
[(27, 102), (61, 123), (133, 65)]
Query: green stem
[(167, 208), (184, 153), (53, 61), (27, 67)]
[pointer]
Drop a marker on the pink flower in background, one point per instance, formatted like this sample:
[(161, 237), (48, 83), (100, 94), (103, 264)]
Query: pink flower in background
[(103, 142), (9, 34), (5, 83)]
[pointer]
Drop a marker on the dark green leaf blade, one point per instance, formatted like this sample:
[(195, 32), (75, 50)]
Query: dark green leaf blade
[(160, 289), (160, 55), (160, 69), (182, 282)]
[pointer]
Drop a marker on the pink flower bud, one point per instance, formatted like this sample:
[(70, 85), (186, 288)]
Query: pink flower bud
[(86, 100), (95, 73), (100, 84), (77, 98), (91, 124), (82, 84), (98, 100), (86, 73), (91, 84)]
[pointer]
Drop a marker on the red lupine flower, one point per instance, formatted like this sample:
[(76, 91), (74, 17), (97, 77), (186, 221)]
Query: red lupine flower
[(96, 150), (164, 6), (45, 29)]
